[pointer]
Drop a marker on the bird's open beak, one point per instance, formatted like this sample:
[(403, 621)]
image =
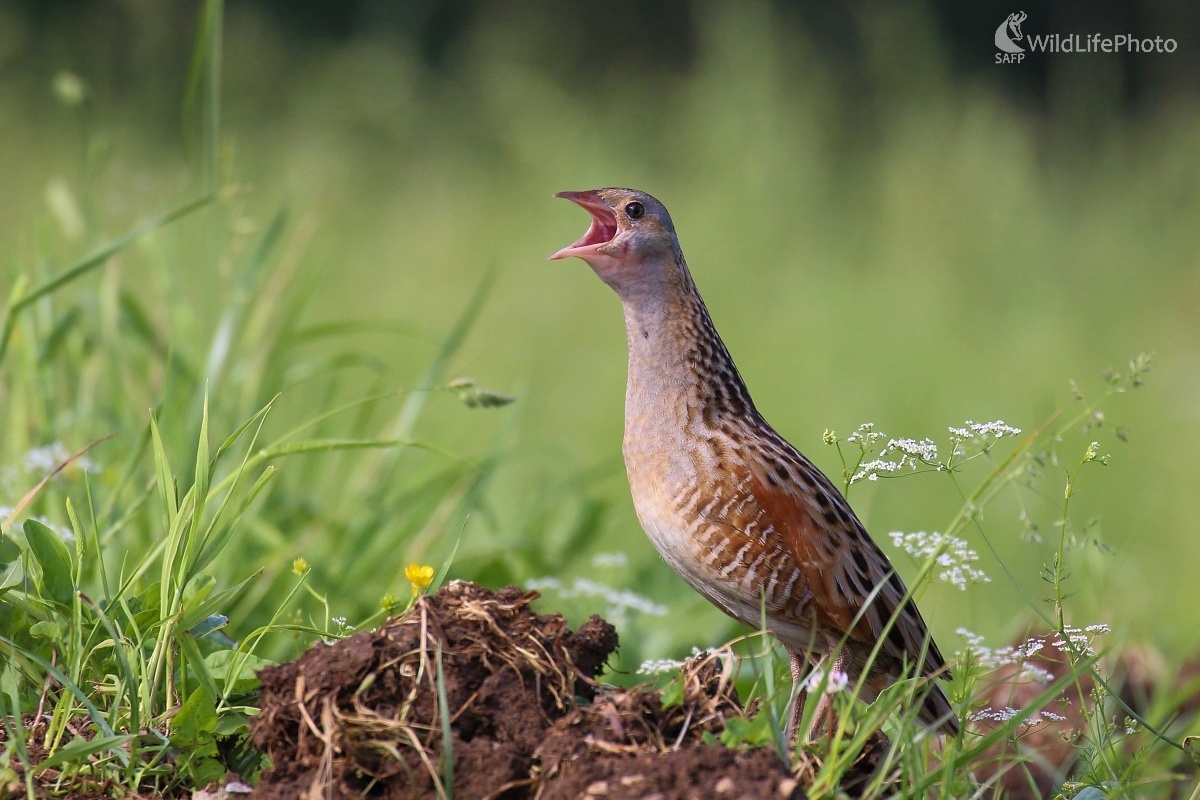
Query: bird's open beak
[(601, 231)]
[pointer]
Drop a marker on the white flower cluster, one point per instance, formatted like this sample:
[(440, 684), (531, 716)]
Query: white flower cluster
[(979, 434), (44, 460), (1008, 712), (64, 532), (657, 666), (1079, 640), (610, 560), (994, 714), (912, 454), (952, 555), (872, 469), (1076, 641), (866, 436), (983, 430), (1003, 656), (620, 601), (838, 681)]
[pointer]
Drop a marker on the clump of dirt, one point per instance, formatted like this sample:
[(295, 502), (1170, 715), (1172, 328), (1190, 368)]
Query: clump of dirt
[(361, 718)]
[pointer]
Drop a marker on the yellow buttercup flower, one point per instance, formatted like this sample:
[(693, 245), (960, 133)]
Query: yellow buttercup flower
[(420, 576)]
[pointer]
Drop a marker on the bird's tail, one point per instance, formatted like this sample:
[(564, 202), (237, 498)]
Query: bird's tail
[(936, 711)]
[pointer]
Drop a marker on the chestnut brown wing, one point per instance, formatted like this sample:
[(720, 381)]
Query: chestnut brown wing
[(837, 558)]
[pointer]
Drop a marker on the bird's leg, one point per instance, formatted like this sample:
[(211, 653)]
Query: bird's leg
[(799, 666), (825, 715)]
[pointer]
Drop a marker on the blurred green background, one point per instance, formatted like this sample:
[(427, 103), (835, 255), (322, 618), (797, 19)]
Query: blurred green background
[(886, 225)]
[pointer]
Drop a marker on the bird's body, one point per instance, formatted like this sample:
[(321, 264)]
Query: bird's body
[(737, 512)]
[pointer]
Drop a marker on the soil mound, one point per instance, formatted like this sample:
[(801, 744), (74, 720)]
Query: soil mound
[(363, 717)]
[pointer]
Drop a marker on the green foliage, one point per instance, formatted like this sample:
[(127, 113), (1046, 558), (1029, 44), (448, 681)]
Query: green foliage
[(149, 614)]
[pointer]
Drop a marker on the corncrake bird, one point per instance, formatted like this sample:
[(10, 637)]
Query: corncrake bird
[(737, 512)]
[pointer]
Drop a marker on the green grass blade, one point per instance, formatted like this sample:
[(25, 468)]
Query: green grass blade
[(90, 262), (97, 718), (447, 740)]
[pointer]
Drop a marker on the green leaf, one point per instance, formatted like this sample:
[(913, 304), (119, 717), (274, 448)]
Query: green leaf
[(206, 770), (46, 629), (11, 575), (200, 497), (166, 481), (9, 550), (233, 723), (55, 560), (754, 733), (672, 693), (197, 716), (222, 663)]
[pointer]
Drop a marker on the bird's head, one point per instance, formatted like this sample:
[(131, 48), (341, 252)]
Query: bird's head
[(631, 239)]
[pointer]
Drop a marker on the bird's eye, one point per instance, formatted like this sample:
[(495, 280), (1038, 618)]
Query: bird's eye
[(635, 210)]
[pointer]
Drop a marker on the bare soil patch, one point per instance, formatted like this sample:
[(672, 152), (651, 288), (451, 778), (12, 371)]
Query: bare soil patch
[(361, 718)]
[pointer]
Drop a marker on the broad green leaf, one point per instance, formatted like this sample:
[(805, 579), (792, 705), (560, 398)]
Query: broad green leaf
[(222, 662), (11, 575), (206, 770), (672, 693), (233, 722), (9, 550), (55, 560), (755, 733), (46, 629), (198, 715)]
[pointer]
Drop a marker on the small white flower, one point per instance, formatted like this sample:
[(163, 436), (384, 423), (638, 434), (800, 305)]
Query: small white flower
[(1031, 673), (974, 640), (837, 682), (924, 450), (994, 715), (949, 552), (658, 666), (866, 436), (620, 601), (540, 584), (987, 658), (979, 433), (1079, 640), (44, 460), (871, 469), (610, 560)]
